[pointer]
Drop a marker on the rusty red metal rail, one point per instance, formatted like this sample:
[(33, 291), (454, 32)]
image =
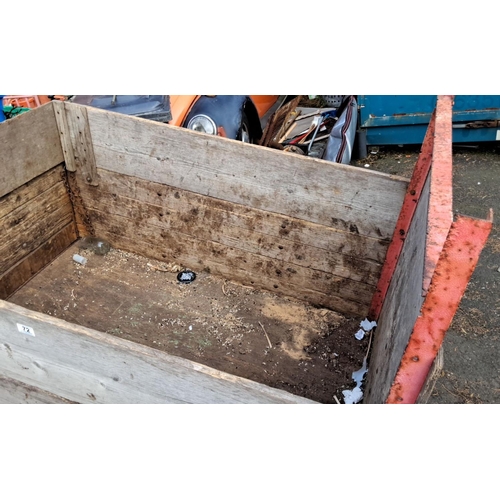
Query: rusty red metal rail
[(441, 196), (412, 197), (453, 271)]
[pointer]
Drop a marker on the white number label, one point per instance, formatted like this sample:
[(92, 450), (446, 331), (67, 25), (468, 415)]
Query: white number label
[(26, 329)]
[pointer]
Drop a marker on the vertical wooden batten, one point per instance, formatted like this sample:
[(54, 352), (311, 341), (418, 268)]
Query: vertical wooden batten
[(76, 140)]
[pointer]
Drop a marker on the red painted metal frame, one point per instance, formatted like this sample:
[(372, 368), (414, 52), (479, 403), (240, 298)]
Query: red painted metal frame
[(441, 197), (436, 153), (412, 197), (453, 271)]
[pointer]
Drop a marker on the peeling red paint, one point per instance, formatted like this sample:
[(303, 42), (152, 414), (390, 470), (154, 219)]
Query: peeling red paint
[(441, 195), (454, 266), (410, 202)]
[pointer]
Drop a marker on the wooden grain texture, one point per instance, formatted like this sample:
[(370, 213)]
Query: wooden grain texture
[(87, 366), (31, 225), (218, 213), (401, 307), (15, 392), (65, 135), (29, 266), (230, 262), (433, 376), (30, 146), (183, 214), (30, 190), (82, 147), (338, 196)]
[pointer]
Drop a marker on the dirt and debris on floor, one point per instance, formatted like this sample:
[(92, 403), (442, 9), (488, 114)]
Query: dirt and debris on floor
[(285, 344)]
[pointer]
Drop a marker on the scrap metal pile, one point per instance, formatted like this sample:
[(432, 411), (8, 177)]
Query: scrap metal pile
[(317, 126)]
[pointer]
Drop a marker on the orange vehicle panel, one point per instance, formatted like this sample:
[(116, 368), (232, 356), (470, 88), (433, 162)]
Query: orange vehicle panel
[(263, 103), (180, 106)]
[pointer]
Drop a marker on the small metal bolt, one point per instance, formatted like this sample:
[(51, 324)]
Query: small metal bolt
[(415, 358)]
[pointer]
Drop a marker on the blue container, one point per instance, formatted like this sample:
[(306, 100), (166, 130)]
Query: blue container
[(403, 119), (2, 116)]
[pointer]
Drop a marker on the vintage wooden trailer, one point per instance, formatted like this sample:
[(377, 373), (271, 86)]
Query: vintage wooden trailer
[(333, 236)]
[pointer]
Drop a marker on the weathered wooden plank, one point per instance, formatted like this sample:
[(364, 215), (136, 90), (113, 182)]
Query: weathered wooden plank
[(15, 392), (401, 307), (230, 261), (24, 270), (82, 146), (30, 146), (338, 196), (65, 136), (87, 366), (206, 222), (432, 378), (274, 225), (235, 266), (29, 191), (33, 223)]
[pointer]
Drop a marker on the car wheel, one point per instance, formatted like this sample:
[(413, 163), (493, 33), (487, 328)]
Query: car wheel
[(245, 134)]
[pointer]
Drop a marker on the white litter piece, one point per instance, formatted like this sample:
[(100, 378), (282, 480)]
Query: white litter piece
[(356, 395), (367, 165), (353, 397), (358, 376), (360, 334), (368, 325), (78, 258)]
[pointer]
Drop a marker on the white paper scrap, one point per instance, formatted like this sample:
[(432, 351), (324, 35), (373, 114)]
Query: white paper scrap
[(368, 325), (360, 334), (353, 397)]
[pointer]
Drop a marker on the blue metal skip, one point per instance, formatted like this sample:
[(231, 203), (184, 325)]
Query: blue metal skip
[(403, 119)]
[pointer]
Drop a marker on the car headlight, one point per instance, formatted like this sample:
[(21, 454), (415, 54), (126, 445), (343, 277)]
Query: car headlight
[(202, 123)]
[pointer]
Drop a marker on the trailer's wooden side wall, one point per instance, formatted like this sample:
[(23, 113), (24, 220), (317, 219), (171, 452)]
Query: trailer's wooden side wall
[(304, 227), (401, 306), (63, 362), (36, 214)]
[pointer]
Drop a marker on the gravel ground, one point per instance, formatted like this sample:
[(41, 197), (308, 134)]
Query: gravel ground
[(471, 371)]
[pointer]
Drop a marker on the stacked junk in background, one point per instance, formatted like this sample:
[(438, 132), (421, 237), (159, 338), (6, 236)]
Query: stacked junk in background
[(317, 126)]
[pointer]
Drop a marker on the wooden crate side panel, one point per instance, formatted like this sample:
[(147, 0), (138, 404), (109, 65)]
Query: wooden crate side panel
[(86, 366), (210, 225), (401, 307), (194, 231), (15, 392), (193, 212), (36, 224), (337, 196), (26, 229), (24, 270), (30, 146)]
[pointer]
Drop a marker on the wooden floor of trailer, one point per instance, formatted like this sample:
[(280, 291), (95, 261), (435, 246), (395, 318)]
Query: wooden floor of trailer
[(210, 321)]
